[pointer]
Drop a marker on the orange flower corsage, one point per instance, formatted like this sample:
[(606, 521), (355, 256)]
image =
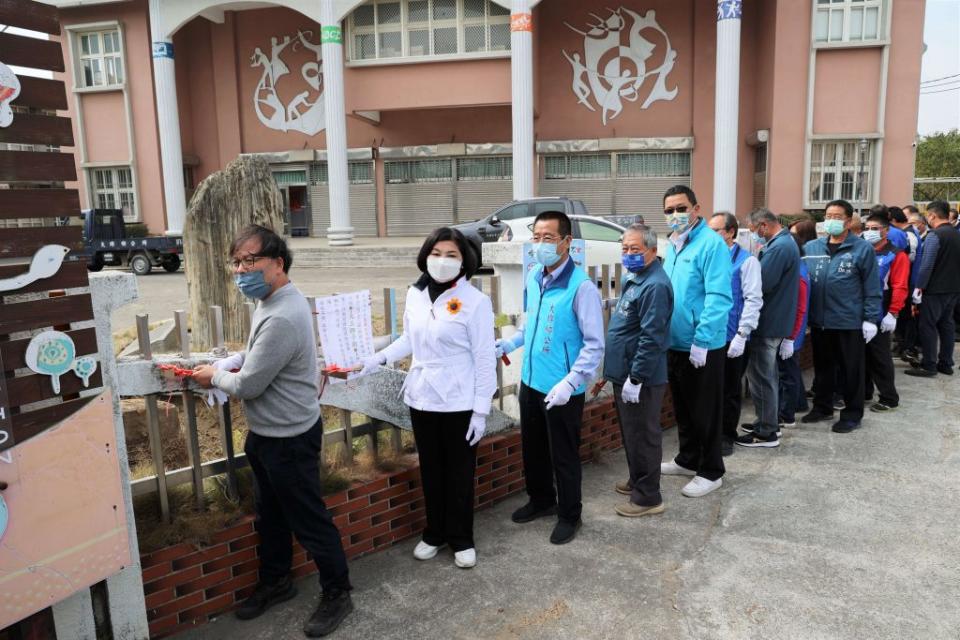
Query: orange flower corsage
[(454, 306)]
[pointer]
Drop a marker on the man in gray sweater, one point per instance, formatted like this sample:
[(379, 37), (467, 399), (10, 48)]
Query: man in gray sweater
[(277, 381)]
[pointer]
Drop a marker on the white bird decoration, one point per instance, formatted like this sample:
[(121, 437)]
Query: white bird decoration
[(45, 264)]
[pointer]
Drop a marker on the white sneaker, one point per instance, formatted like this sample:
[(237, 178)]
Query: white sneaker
[(465, 559), (700, 486), (673, 469), (424, 551)]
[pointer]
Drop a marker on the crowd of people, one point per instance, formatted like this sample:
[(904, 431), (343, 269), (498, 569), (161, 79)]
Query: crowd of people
[(715, 310)]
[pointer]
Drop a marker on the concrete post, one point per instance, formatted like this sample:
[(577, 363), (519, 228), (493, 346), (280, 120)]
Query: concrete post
[(340, 232), (521, 67), (727, 106), (168, 121)]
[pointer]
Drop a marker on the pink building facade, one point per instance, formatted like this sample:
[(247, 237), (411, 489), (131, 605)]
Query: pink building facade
[(624, 104)]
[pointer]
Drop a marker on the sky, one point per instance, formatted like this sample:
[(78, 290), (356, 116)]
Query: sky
[(940, 111)]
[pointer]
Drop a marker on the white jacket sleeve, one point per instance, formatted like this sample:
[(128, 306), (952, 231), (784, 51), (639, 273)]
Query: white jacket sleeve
[(401, 347), (484, 360), (752, 286)]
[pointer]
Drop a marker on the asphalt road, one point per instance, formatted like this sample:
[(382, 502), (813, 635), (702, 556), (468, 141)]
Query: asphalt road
[(162, 293)]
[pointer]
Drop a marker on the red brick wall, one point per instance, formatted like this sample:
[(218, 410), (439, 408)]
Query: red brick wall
[(186, 585)]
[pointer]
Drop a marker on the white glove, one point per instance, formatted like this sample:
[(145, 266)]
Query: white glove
[(230, 362), (698, 356), (786, 349), (917, 296), (560, 394), (631, 392), (869, 331), (737, 345), (217, 396), (888, 324), (478, 424), (372, 363)]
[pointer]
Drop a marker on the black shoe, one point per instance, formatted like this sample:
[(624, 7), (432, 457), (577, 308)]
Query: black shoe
[(264, 597), (911, 357), (838, 403), (816, 416), (809, 394), (564, 532), (947, 371), (881, 407), (726, 447), (335, 605), (749, 427), (530, 512), (921, 373), (753, 440), (844, 426)]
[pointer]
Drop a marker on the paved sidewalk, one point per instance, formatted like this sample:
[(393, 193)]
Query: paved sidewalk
[(828, 537)]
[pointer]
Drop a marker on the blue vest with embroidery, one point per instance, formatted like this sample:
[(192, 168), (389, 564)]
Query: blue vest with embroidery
[(552, 336), (738, 256)]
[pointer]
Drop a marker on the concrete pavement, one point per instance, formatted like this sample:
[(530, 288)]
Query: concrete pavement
[(828, 537)]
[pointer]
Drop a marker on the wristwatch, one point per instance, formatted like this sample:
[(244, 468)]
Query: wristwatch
[(742, 334)]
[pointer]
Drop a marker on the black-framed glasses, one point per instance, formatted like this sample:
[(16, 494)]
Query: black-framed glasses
[(246, 261), (671, 210)]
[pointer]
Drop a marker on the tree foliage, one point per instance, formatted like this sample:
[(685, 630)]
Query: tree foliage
[(938, 155)]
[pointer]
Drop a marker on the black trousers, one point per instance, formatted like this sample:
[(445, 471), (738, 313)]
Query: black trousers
[(551, 450), (936, 323), (288, 500), (879, 371), (642, 438), (698, 405), (838, 362), (447, 468), (733, 370)]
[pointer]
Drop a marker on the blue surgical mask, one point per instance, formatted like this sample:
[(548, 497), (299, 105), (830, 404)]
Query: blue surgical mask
[(679, 222), (872, 236), (546, 253), (833, 227), (252, 284), (758, 239), (634, 263)]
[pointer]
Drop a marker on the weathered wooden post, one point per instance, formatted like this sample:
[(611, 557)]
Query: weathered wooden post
[(243, 193)]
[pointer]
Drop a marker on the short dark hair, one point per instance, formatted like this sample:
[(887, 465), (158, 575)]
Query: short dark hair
[(880, 210), (730, 222), (563, 221), (879, 218), (806, 230), (471, 261), (272, 245), (681, 190), (954, 212), (939, 208), (909, 208), (846, 206), (897, 215)]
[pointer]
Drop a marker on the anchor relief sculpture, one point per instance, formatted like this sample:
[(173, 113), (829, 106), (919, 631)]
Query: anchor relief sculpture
[(612, 67), (304, 112)]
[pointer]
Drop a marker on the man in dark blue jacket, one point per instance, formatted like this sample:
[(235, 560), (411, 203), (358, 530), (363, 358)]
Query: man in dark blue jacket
[(845, 303), (636, 363), (780, 276)]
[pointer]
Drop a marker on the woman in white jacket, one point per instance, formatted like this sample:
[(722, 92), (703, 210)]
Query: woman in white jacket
[(448, 328)]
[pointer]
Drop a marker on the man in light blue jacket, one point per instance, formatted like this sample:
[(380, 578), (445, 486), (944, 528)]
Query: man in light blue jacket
[(699, 267)]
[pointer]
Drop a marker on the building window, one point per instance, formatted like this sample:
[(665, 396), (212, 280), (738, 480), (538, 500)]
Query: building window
[(653, 165), (418, 171), (113, 189), (358, 172), (848, 20), (385, 29), (576, 167), (496, 168), (841, 169), (100, 59)]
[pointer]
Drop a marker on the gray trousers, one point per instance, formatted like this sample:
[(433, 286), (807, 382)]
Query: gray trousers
[(764, 378), (642, 438)]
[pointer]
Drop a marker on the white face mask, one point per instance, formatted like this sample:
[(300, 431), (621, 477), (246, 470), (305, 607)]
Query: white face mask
[(443, 269)]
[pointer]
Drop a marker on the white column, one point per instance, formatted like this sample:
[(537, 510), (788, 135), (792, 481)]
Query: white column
[(340, 233), (168, 122), (521, 67), (727, 106)]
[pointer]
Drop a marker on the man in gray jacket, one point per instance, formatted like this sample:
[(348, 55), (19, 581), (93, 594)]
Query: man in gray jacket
[(780, 276), (277, 381)]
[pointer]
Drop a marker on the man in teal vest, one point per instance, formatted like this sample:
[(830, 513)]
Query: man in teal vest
[(698, 263), (564, 345)]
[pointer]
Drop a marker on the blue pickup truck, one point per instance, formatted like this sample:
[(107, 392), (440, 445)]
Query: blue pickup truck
[(105, 242)]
